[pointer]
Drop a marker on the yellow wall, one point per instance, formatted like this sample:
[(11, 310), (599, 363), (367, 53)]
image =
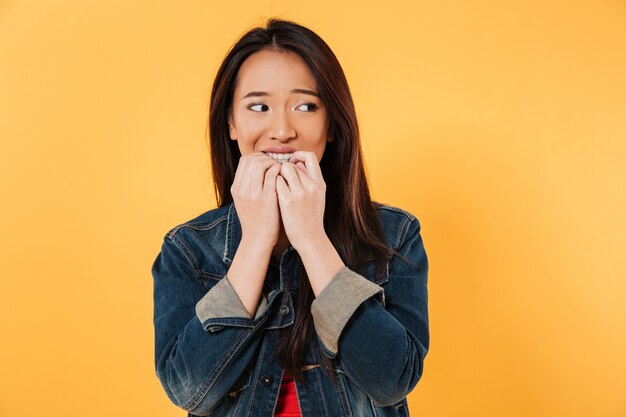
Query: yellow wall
[(501, 125)]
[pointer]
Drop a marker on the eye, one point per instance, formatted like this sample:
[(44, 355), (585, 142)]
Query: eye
[(311, 107), (258, 107)]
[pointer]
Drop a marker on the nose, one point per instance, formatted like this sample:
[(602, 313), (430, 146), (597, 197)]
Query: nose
[(281, 127)]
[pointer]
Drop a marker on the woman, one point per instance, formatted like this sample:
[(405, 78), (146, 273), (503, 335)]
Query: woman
[(298, 295)]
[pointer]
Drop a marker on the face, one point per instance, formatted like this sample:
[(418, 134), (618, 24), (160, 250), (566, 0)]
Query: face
[(276, 104)]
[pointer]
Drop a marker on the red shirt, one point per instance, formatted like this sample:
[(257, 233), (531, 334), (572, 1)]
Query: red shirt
[(287, 405)]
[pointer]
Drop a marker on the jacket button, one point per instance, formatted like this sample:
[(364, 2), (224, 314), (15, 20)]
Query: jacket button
[(267, 379), (284, 310)]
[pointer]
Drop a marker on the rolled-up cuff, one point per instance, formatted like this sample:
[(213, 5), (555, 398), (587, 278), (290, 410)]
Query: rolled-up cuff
[(222, 301), (337, 302)]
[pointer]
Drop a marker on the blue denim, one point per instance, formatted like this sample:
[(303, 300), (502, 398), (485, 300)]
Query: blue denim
[(212, 359)]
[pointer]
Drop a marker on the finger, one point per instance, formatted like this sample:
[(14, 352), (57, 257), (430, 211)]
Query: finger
[(281, 185), (262, 156), (288, 171), (258, 158), (307, 182), (254, 168), (269, 186), (310, 161)]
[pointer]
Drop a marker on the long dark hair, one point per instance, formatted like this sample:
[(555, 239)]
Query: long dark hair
[(350, 217)]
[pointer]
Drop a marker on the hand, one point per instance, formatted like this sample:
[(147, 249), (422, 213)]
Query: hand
[(255, 198), (302, 198)]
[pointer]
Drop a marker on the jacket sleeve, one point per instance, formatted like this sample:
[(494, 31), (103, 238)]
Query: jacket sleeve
[(380, 345), (203, 339)]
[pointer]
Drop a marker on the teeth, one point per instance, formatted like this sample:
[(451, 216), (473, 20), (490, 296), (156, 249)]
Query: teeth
[(280, 157)]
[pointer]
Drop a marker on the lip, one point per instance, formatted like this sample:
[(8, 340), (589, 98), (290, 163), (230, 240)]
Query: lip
[(279, 149)]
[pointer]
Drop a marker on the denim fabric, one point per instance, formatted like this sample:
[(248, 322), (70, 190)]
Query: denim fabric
[(212, 359)]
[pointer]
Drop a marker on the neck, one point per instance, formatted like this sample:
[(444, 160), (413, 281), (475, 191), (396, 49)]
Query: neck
[(281, 244)]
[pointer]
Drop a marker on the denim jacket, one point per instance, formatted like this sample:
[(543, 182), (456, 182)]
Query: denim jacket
[(212, 359)]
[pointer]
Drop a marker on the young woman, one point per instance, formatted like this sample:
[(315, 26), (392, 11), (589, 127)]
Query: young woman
[(298, 295)]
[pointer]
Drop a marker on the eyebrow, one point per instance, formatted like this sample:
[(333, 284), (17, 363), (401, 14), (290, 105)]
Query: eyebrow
[(295, 90)]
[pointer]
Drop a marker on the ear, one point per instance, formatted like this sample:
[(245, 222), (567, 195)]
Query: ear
[(330, 137), (231, 127)]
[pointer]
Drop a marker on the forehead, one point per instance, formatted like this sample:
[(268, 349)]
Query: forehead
[(273, 70)]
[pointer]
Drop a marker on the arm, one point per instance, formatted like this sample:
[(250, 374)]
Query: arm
[(381, 348), (245, 276), (203, 340)]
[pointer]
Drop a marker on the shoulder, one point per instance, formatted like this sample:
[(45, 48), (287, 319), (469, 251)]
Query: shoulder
[(206, 221), (206, 230), (397, 223), (204, 239)]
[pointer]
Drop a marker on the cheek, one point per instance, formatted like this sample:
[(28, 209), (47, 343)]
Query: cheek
[(250, 130), (319, 143), (317, 128)]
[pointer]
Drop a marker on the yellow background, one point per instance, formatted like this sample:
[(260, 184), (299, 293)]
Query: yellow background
[(500, 125)]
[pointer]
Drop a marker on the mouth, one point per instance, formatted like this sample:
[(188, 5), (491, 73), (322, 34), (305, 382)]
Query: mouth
[(279, 149), (280, 157)]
